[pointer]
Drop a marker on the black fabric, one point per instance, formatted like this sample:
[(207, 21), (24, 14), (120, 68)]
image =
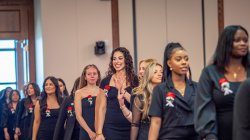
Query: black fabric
[(71, 130), (177, 120), (88, 114), (116, 126), (214, 109), (9, 120), (24, 120), (47, 124), (242, 112)]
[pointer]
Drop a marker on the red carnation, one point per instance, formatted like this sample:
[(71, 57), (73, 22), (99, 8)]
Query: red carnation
[(222, 80), (107, 87), (170, 94), (69, 108)]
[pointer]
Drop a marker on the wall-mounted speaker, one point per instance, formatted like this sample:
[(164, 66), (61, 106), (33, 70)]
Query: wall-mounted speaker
[(100, 47)]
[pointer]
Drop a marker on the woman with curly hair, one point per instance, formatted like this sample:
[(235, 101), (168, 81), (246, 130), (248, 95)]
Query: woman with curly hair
[(120, 79), (26, 111)]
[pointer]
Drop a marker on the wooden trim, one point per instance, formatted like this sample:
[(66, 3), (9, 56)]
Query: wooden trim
[(115, 23), (31, 38), (221, 15)]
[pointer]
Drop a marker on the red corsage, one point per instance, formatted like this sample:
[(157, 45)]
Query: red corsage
[(30, 108), (225, 86), (106, 89), (47, 112), (70, 110), (90, 100), (170, 96)]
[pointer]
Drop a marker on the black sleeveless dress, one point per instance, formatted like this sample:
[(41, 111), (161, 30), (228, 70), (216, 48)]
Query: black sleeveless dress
[(47, 124), (116, 126), (88, 114)]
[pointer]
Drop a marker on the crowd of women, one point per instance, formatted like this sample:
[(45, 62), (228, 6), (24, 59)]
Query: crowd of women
[(162, 102)]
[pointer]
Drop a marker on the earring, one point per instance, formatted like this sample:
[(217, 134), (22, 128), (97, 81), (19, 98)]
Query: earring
[(171, 68)]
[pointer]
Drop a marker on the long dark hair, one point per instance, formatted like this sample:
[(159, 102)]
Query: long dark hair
[(65, 92), (75, 87), (129, 68), (10, 97), (43, 101), (224, 48), (28, 100)]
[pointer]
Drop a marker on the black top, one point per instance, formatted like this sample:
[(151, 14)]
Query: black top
[(3, 107), (214, 104), (140, 126), (9, 120), (88, 114), (66, 114), (242, 112), (47, 123), (116, 126), (175, 110), (24, 119)]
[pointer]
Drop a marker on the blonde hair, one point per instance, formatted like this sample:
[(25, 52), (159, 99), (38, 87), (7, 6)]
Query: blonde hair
[(145, 89)]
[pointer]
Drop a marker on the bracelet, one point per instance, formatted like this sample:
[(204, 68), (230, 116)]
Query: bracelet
[(97, 134), (128, 114)]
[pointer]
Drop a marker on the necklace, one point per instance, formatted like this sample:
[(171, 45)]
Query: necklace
[(181, 90), (235, 73)]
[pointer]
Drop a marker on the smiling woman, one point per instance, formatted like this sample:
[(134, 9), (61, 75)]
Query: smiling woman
[(121, 79)]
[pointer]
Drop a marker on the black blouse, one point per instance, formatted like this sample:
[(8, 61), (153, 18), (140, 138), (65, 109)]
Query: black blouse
[(175, 110), (214, 104)]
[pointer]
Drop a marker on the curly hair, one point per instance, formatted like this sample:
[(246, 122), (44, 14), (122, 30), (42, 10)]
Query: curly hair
[(129, 68)]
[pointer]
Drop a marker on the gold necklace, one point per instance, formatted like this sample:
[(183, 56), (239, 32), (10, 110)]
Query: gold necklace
[(181, 90), (235, 73)]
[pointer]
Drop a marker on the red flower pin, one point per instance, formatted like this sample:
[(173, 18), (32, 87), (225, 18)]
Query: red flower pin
[(170, 96), (90, 99), (225, 86), (106, 89), (69, 109), (30, 108)]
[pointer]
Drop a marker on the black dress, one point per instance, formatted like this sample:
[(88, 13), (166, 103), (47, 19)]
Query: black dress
[(88, 114), (116, 126), (47, 124), (214, 104), (142, 125), (9, 120), (175, 111), (67, 114), (3, 107), (25, 119)]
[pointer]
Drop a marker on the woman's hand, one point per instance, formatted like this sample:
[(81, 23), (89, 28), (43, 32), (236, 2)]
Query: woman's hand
[(100, 137), (17, 131), (120, 97), (92, 135), (6, 136)]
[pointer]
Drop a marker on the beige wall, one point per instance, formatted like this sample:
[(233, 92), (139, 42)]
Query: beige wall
[(68, 31)]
